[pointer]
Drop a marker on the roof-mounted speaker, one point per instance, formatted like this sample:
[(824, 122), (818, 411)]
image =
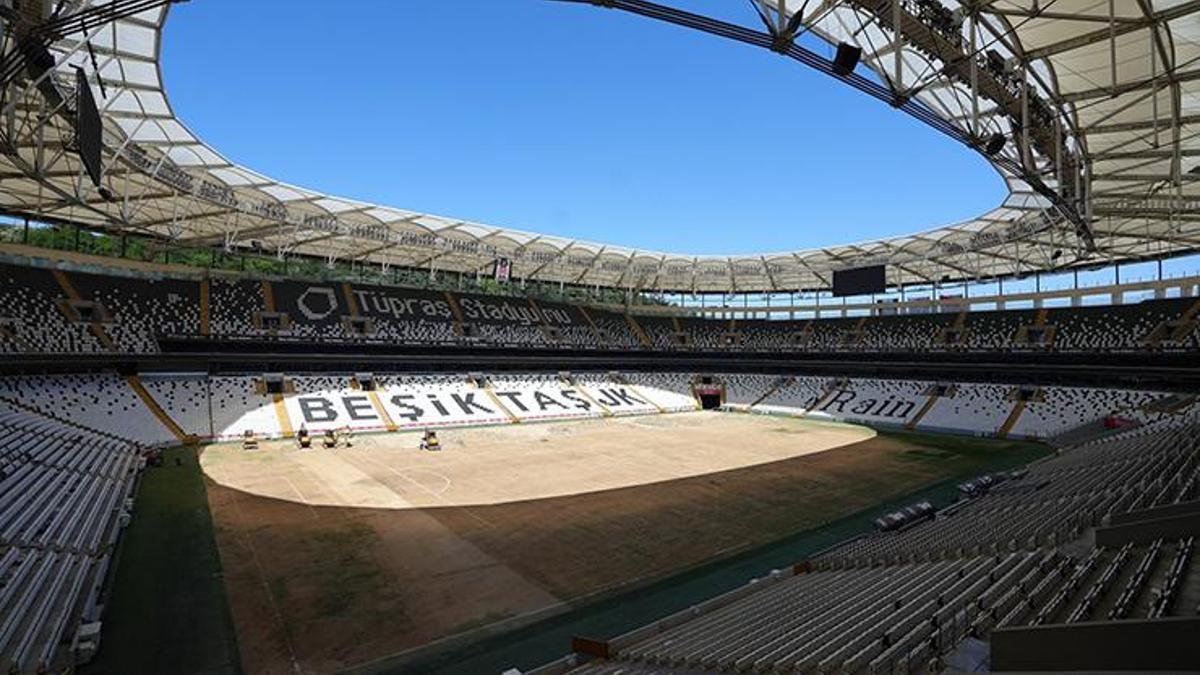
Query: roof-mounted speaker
[(994, 145), (846, 59)]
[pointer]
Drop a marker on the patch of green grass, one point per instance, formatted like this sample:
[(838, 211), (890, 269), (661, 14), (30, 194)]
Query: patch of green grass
[(965, 456), (927, 453), (350, 578), (167, 614), (279, 589), (350, 534)]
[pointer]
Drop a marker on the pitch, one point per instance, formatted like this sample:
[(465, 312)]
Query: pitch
[(336, 557), (498, 465)]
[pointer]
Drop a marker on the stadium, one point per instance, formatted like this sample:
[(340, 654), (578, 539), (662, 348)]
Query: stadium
[(250, 427)]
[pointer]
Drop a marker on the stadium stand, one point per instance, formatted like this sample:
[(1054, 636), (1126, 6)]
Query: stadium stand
[(416, 317), (52, 311), (616, 395), (235, 307), (771, 335), (970, 407), (503, 321), (835, 621), (1088, 113), (667, 392), (541, 396), (36, 310), (1120, 327), (567, 325), (1015, 554), (872, 400), (238, 406), (662, 332), (745, 389), (1052, 503), (227, 406), (924, 599), (65, 493), (613, 330), (99, 401), (321, 402), (185, 399), (826, 335), (909, 333), (796, 395), (1018, 553), (440, 400), (995, 330), (138, 308), (1061, 408)]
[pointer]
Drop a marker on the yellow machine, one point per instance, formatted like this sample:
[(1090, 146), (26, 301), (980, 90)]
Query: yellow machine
[(430, 441)]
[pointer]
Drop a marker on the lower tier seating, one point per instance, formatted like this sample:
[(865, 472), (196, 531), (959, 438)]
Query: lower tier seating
[(921, 599), (65, 494)]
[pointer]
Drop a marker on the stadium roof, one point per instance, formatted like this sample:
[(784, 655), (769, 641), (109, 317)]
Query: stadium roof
[(1096, 98)]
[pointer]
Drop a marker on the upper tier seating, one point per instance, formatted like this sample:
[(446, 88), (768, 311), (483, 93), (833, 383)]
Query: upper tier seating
[(770, 335), (340, 311), (661, 331), (1113, 327), (139, 309), (234, 306), (614, 330), (910, 333), (30, 310), (995, 330), (39, 314)]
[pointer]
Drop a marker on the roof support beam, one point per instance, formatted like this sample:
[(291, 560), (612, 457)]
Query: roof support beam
[(1164, 80), (1145, 154), (1102, 34), (1120, 127)]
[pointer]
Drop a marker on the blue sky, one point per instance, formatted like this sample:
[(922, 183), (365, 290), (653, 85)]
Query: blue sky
[(564, 119)]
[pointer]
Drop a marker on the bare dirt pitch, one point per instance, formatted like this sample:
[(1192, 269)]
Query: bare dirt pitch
[(333, 558)]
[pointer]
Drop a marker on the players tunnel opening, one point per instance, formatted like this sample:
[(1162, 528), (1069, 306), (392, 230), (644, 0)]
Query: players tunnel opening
[(710, 401)]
